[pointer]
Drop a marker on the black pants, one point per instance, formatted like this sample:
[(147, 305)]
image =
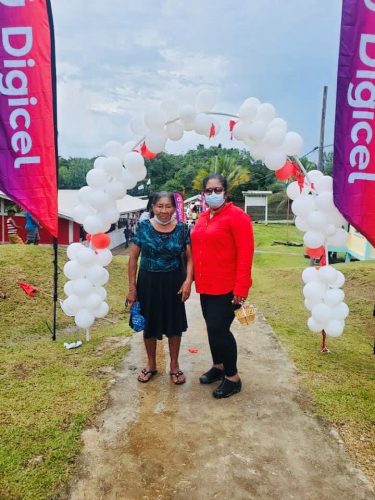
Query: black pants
[(218, 314)]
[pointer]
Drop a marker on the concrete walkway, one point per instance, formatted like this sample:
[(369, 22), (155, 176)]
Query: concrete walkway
[(161, 441)]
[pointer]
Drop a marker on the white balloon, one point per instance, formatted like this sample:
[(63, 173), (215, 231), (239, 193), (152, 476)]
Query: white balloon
[(155, 119), (188, 125), (187, 113), (335, 217), (330, 230), (96, 178), (333, 297), (73, 270), (252, 101), (128, 146), (324, 184), (94, 224), (310, 274), (310, 303), (279, 123), (266, 112), (155, 142), (259, 151), (68, 288), (257, 130), (340, 311), (317, 220), (92, 301), (321, 313), (248, 110), (339, 238), (97, 275), (175, 131), (84, 195), (140, 174), (303, 206), (327, 275), (240, 130), (113, 148), (293, 190), (86, 257), (84, 318), (104, 257), (324, 201), (137, 126), (274, 137), (102, 310), (128, 180), (314, 176), (113, 166), (301, 223), (65, 307), (99, 199), (101, 291), (340, 280), (73, 250), (314, 326), (292, 144), (82, 287), (334, 328), (115, 189), (99, 162), (170, 108), (275, 159), (313, 239), (110, 215), (202, 124), (134, 161), (80, 212), (74, 304), (206, 100), (314, 290)]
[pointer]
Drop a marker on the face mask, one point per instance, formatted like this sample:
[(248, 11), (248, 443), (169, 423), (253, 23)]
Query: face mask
[(162, 223), (214, 200)]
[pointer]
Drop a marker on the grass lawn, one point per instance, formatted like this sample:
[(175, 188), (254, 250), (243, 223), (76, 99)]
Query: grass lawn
[(48, 393), (341, 383)]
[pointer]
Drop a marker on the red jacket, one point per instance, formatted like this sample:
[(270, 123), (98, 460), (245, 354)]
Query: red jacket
[(223, 249)]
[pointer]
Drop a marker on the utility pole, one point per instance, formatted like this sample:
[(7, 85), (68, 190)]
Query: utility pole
[(322, 125)]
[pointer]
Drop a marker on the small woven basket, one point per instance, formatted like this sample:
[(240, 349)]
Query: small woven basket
[(246, 314)]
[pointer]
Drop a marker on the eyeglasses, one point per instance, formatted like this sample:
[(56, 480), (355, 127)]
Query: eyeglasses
[(216, 190)]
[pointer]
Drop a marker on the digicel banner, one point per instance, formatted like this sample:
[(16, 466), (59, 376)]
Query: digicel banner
[(27, 108), (354, 152)]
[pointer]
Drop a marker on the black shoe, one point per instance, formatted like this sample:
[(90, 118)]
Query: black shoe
[(213, 375), (227, 388)]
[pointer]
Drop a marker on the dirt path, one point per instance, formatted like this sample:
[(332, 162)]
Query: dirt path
[(160, 441)]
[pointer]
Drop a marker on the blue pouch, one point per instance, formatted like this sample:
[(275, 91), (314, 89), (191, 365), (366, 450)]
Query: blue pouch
[(136, 321)]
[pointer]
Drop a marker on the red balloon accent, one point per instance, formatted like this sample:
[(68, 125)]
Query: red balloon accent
[(100, 240), (286, 171), (315, 253), (88, 237), (146, 153)]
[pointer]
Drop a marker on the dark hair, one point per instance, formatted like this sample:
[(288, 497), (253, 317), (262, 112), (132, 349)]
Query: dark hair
[(219, 177), (150, 202), (163, 194)]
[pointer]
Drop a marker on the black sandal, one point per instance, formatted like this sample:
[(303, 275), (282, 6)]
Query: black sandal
[(146, 372), (177, 374), (212, 375)]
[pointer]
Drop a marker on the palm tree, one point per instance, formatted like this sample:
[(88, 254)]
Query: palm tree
[(226, 166)]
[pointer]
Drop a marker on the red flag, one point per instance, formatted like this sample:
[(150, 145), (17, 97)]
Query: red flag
[(28, 151), (29, 289), (146, 153), (286, 171), (212, 131), (232, 123)]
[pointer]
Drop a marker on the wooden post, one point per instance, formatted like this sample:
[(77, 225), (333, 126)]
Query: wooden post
[(322, 125)]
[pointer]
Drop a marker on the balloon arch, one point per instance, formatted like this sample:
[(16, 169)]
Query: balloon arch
[(266, 137)]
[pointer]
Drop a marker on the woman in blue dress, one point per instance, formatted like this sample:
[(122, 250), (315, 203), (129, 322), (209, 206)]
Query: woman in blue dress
[(162, 285)]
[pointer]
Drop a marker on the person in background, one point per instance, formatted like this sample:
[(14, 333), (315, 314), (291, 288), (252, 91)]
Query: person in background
[(127, 234), (12, 228), (161, 286), (147, 214), (223, 248), (32, 230)]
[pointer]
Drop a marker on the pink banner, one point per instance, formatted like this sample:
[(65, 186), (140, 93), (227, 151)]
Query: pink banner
[(27, 108), (354, 151), (180, 212)]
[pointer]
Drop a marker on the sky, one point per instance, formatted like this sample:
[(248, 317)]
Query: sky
[(117, 59)]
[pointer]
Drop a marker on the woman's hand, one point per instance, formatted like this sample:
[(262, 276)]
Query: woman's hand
[(238, 300), (132, 296), (185, 290)]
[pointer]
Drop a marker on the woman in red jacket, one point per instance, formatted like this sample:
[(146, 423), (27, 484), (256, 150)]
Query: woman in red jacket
[(223, 248)]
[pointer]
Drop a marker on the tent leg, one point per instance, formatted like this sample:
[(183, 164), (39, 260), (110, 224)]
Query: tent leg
[(55, 278)]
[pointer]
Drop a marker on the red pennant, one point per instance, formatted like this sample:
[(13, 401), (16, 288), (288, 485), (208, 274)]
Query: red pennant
[(29, 289), (146, 153), (232, 123), (212, 131), (288, 170), (315, 253), (300, 178)]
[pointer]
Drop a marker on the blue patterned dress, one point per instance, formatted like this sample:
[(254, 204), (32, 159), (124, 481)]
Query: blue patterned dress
[(160, 277)]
